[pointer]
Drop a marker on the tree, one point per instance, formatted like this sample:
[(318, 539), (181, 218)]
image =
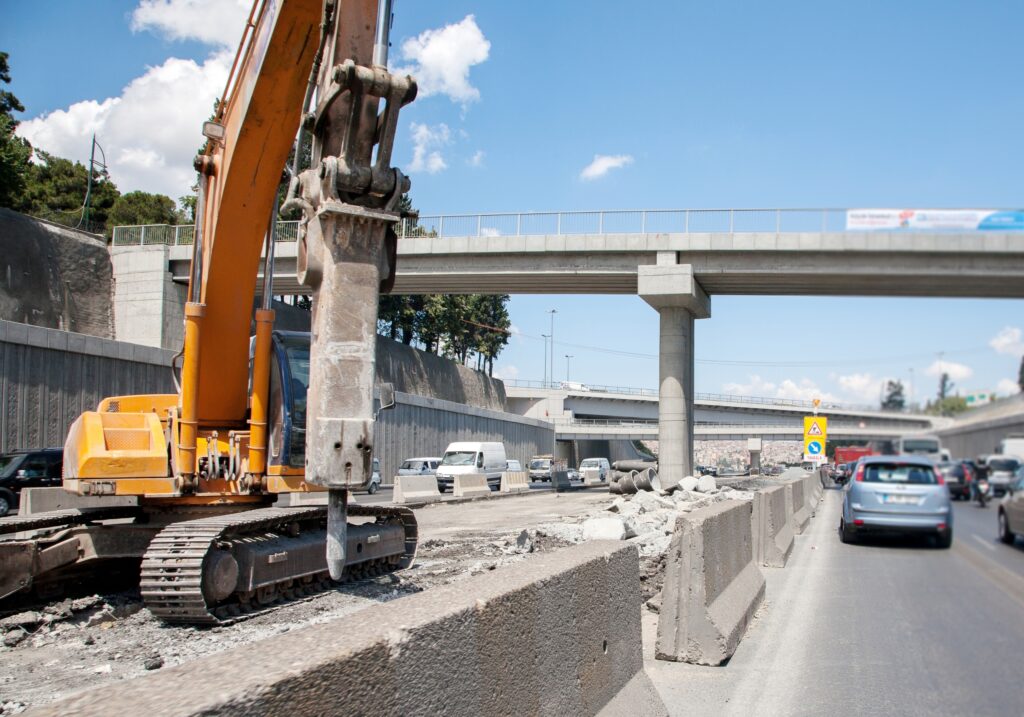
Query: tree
[(894, 400), (1020, 374), (15, 152), (949, 406), (945, 386), (142, 208), (56, 190)]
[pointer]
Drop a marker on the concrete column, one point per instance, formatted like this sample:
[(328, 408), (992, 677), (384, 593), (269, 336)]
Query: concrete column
[(675, 395), (679, 299)]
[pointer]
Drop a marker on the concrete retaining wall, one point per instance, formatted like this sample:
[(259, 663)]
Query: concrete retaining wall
[(801, 515), (712, 585), (41, 500), (515, 482), (556, 634), (772, 527), (416, 489), (470, 486), (49, 377)]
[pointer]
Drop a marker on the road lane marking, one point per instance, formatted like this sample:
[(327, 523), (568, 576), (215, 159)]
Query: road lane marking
[(984, 542), (1008, 581)]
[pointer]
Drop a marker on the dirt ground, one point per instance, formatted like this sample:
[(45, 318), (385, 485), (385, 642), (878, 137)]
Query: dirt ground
[(79, 644)]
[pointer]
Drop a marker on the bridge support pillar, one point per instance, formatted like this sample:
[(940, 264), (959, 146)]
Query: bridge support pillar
[(679, 299)]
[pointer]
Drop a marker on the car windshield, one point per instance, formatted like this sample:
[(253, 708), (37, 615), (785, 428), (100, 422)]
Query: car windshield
[(590, 464), (1003, 464), (9, 464), (899, 473), (458, 458), (540, 465), (410, 464)]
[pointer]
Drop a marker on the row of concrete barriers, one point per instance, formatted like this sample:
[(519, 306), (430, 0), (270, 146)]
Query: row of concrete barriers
[(713, 579), (423, 489)]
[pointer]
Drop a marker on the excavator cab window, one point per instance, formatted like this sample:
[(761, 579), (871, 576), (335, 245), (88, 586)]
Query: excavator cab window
[(289, 381)]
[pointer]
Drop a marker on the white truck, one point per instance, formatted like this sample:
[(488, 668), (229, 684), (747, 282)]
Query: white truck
[(1012, 445), (468, 457)]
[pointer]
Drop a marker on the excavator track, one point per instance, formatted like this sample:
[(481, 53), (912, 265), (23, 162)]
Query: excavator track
[(64, 518), (187, 555)]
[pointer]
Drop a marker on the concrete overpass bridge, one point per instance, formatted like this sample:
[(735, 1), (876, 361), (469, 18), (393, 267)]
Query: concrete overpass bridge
[(674, 260)]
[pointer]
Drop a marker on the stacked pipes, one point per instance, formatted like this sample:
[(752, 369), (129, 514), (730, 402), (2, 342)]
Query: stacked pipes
[(628, 477)]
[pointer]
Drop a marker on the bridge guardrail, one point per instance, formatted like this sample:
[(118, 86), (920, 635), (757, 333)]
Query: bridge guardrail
[(625, 221)]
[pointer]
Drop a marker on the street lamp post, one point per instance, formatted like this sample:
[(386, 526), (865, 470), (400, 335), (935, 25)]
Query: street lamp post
[(552, 312), (545, 337), (567, 357)]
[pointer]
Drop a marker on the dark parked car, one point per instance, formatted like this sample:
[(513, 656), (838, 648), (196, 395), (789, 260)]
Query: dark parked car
[(28, 469), (959, 475)]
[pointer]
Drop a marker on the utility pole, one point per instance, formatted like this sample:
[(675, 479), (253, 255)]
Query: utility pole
[(910, 391), (83, 223), (552, 312), (567, 357)]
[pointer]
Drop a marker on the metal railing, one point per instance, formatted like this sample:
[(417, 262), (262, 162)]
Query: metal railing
[(720, 397), (627, 221), (181, 234)]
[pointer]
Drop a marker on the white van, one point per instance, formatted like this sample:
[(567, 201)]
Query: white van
[(599, 463), (471, 457)]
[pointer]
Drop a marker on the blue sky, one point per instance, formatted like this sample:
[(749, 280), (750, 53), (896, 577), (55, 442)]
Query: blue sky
[(726, 104)]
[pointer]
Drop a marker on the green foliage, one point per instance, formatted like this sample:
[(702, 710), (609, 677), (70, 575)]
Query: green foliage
[(948, 406), (15, 156), (945, 386), (56, 189), (894, 399), (141, 208), (8, 102)]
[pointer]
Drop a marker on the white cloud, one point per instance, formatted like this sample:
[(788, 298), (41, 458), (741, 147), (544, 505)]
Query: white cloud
[(604, 163), (214, 22), (477, 160), (804, 389), (150, 134), (442, 60), (956, 371), (1007, 385), (1008, 341), (506, 373), (427, 141), (864, 387)]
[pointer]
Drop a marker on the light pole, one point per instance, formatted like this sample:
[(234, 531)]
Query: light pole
[(552, 312), (567, 357), (545, 337)]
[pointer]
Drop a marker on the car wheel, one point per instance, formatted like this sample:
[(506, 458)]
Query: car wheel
[(5, 506), (374, 487), (944, 540), (845, 534), (1004, 529)]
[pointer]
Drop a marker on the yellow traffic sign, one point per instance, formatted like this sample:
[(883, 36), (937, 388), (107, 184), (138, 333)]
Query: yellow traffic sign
[(815, 436)]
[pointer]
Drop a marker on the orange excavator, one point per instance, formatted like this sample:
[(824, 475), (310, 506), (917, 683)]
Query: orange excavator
[(256, 418)]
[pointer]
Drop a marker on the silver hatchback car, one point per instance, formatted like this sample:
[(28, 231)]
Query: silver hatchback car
[(896, 494)]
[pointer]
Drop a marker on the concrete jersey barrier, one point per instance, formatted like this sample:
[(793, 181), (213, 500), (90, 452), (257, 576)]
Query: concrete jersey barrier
[(591, 476), (515, 482), (712, 586), (416, 489), (555, 634), (42, 500), (771, 527), (560, 481), (801, 516), (470, 485)]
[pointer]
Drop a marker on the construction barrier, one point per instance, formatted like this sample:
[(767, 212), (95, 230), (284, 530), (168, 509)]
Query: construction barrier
[(515, 482), (555, 634), (416, 489), (801, 515), (560, 481), (32, 501), (591, 476), (712, 585), (771, 527), (470, 485)]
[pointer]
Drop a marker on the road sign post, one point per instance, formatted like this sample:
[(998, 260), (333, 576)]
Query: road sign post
[(815, 438)]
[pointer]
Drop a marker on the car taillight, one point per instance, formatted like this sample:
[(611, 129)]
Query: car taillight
[(939, 478), (858, 521), (860, 474)]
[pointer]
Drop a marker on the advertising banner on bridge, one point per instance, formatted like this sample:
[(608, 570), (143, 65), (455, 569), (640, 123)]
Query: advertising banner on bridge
[(934, 219), (815, 435)]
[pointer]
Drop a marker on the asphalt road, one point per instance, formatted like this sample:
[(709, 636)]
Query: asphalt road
[(883, 627)]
